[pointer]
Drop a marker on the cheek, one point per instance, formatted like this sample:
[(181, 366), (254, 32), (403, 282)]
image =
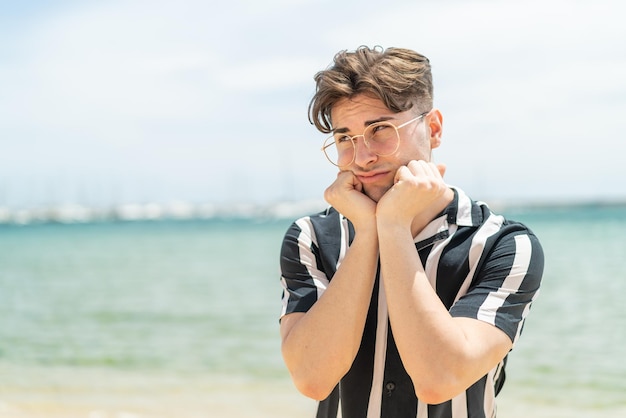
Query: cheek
[(420, 151)]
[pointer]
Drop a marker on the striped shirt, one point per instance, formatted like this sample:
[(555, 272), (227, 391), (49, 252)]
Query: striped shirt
[(481, 265)]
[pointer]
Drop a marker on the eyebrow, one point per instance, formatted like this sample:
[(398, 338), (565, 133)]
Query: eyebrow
[(365, 124)]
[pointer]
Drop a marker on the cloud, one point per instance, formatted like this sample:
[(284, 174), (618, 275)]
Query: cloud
[(184, 94), (278, 72)]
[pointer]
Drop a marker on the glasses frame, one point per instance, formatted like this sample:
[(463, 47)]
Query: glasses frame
[(332, 139)]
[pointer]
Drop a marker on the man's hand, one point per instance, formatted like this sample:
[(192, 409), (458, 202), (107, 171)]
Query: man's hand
[(417, 186), (346, 195)]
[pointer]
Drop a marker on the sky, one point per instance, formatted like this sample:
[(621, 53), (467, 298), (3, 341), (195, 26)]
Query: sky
[(105, 103)]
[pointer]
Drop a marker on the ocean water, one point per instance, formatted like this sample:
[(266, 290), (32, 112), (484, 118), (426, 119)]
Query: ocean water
[(180, 318)]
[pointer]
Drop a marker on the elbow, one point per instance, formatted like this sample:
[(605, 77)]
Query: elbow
[(433, 396), (313, 388), (313, 380), (436, 390), (309, 381)]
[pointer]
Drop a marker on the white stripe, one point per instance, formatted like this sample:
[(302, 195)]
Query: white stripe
[(491, 226), (459, 405), (512, 282), (433, 228), (375, 401), (308, 259), (490, 391), (345, 240), (464, 212), (524, 315), (283, 311), (526, 309), (305, 240), (422, 410), (432, 262)]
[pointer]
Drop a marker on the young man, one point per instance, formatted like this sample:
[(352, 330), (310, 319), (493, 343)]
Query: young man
[(405, 296)]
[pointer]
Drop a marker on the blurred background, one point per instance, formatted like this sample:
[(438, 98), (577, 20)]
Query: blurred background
[(152, 154), (107, 103)]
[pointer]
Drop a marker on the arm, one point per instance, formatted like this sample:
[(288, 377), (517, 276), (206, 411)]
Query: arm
[(320, 345), (443, 355)]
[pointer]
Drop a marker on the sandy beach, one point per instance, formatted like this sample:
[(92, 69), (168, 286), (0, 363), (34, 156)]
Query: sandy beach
[(156, 397), (215, 396)]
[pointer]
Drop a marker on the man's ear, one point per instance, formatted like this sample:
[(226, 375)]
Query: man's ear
[(434, 119)]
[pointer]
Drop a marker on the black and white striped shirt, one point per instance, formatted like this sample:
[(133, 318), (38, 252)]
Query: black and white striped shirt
[(481, 265)]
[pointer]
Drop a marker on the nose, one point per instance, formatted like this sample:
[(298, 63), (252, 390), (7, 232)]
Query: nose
[(362, 154)]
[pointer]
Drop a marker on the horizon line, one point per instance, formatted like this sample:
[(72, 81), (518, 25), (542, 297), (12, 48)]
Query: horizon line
[(180, 210)]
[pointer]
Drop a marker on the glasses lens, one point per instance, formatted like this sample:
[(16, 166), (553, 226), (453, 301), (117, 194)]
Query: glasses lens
[(339, 150), (382, 138)]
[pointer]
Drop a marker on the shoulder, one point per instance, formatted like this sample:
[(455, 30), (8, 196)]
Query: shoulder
[(326, 225), (491, 234), (466, 212)]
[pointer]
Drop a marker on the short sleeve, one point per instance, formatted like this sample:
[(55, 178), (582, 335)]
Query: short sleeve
[(301, 278), (506, 283)]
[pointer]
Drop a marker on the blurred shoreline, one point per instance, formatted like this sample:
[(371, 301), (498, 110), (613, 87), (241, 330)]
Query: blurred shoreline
[(181, 210), (178, 210)]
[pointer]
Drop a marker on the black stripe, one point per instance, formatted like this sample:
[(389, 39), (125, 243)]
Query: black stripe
[(300, 285), (328, 232), (398, 398), (515, 304), (475, 399), (357, 383), (454, 265), (442, 410)]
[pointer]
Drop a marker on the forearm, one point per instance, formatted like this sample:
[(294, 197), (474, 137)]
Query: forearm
[(440, 353), (319, 346), (419, 320)]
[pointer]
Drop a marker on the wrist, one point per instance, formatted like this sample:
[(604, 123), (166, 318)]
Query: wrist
[(366, 229), (393, 228)]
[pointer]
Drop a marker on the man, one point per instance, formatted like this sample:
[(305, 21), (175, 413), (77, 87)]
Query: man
[(404, 297)]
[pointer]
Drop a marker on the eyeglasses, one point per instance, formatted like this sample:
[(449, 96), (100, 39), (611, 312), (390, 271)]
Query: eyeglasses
[(382, 138)]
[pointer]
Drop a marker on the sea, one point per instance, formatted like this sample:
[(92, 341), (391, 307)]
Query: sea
[(179, 318)]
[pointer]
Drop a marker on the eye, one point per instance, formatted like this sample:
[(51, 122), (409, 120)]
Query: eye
[(376, 128), (342, 139)]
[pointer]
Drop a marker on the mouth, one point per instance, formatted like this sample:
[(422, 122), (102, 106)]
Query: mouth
[(368, 178)]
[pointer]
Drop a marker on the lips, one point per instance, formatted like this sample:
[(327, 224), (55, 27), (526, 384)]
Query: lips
[(368, 178)]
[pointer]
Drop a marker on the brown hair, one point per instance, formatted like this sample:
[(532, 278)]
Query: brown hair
[(400, 78)]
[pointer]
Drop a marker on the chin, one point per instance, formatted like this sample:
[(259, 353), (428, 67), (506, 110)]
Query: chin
[(376, 193)]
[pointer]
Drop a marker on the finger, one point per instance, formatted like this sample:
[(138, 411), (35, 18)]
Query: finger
[(420, 168), (435, 171), (340, 172), (358, 186), (351, 181), (402, 173), (345, 175), (442, 169)]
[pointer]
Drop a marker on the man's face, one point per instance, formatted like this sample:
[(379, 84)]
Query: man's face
[(376, 173)]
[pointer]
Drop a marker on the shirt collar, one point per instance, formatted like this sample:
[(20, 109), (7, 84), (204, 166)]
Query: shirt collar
[(462, 211)]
